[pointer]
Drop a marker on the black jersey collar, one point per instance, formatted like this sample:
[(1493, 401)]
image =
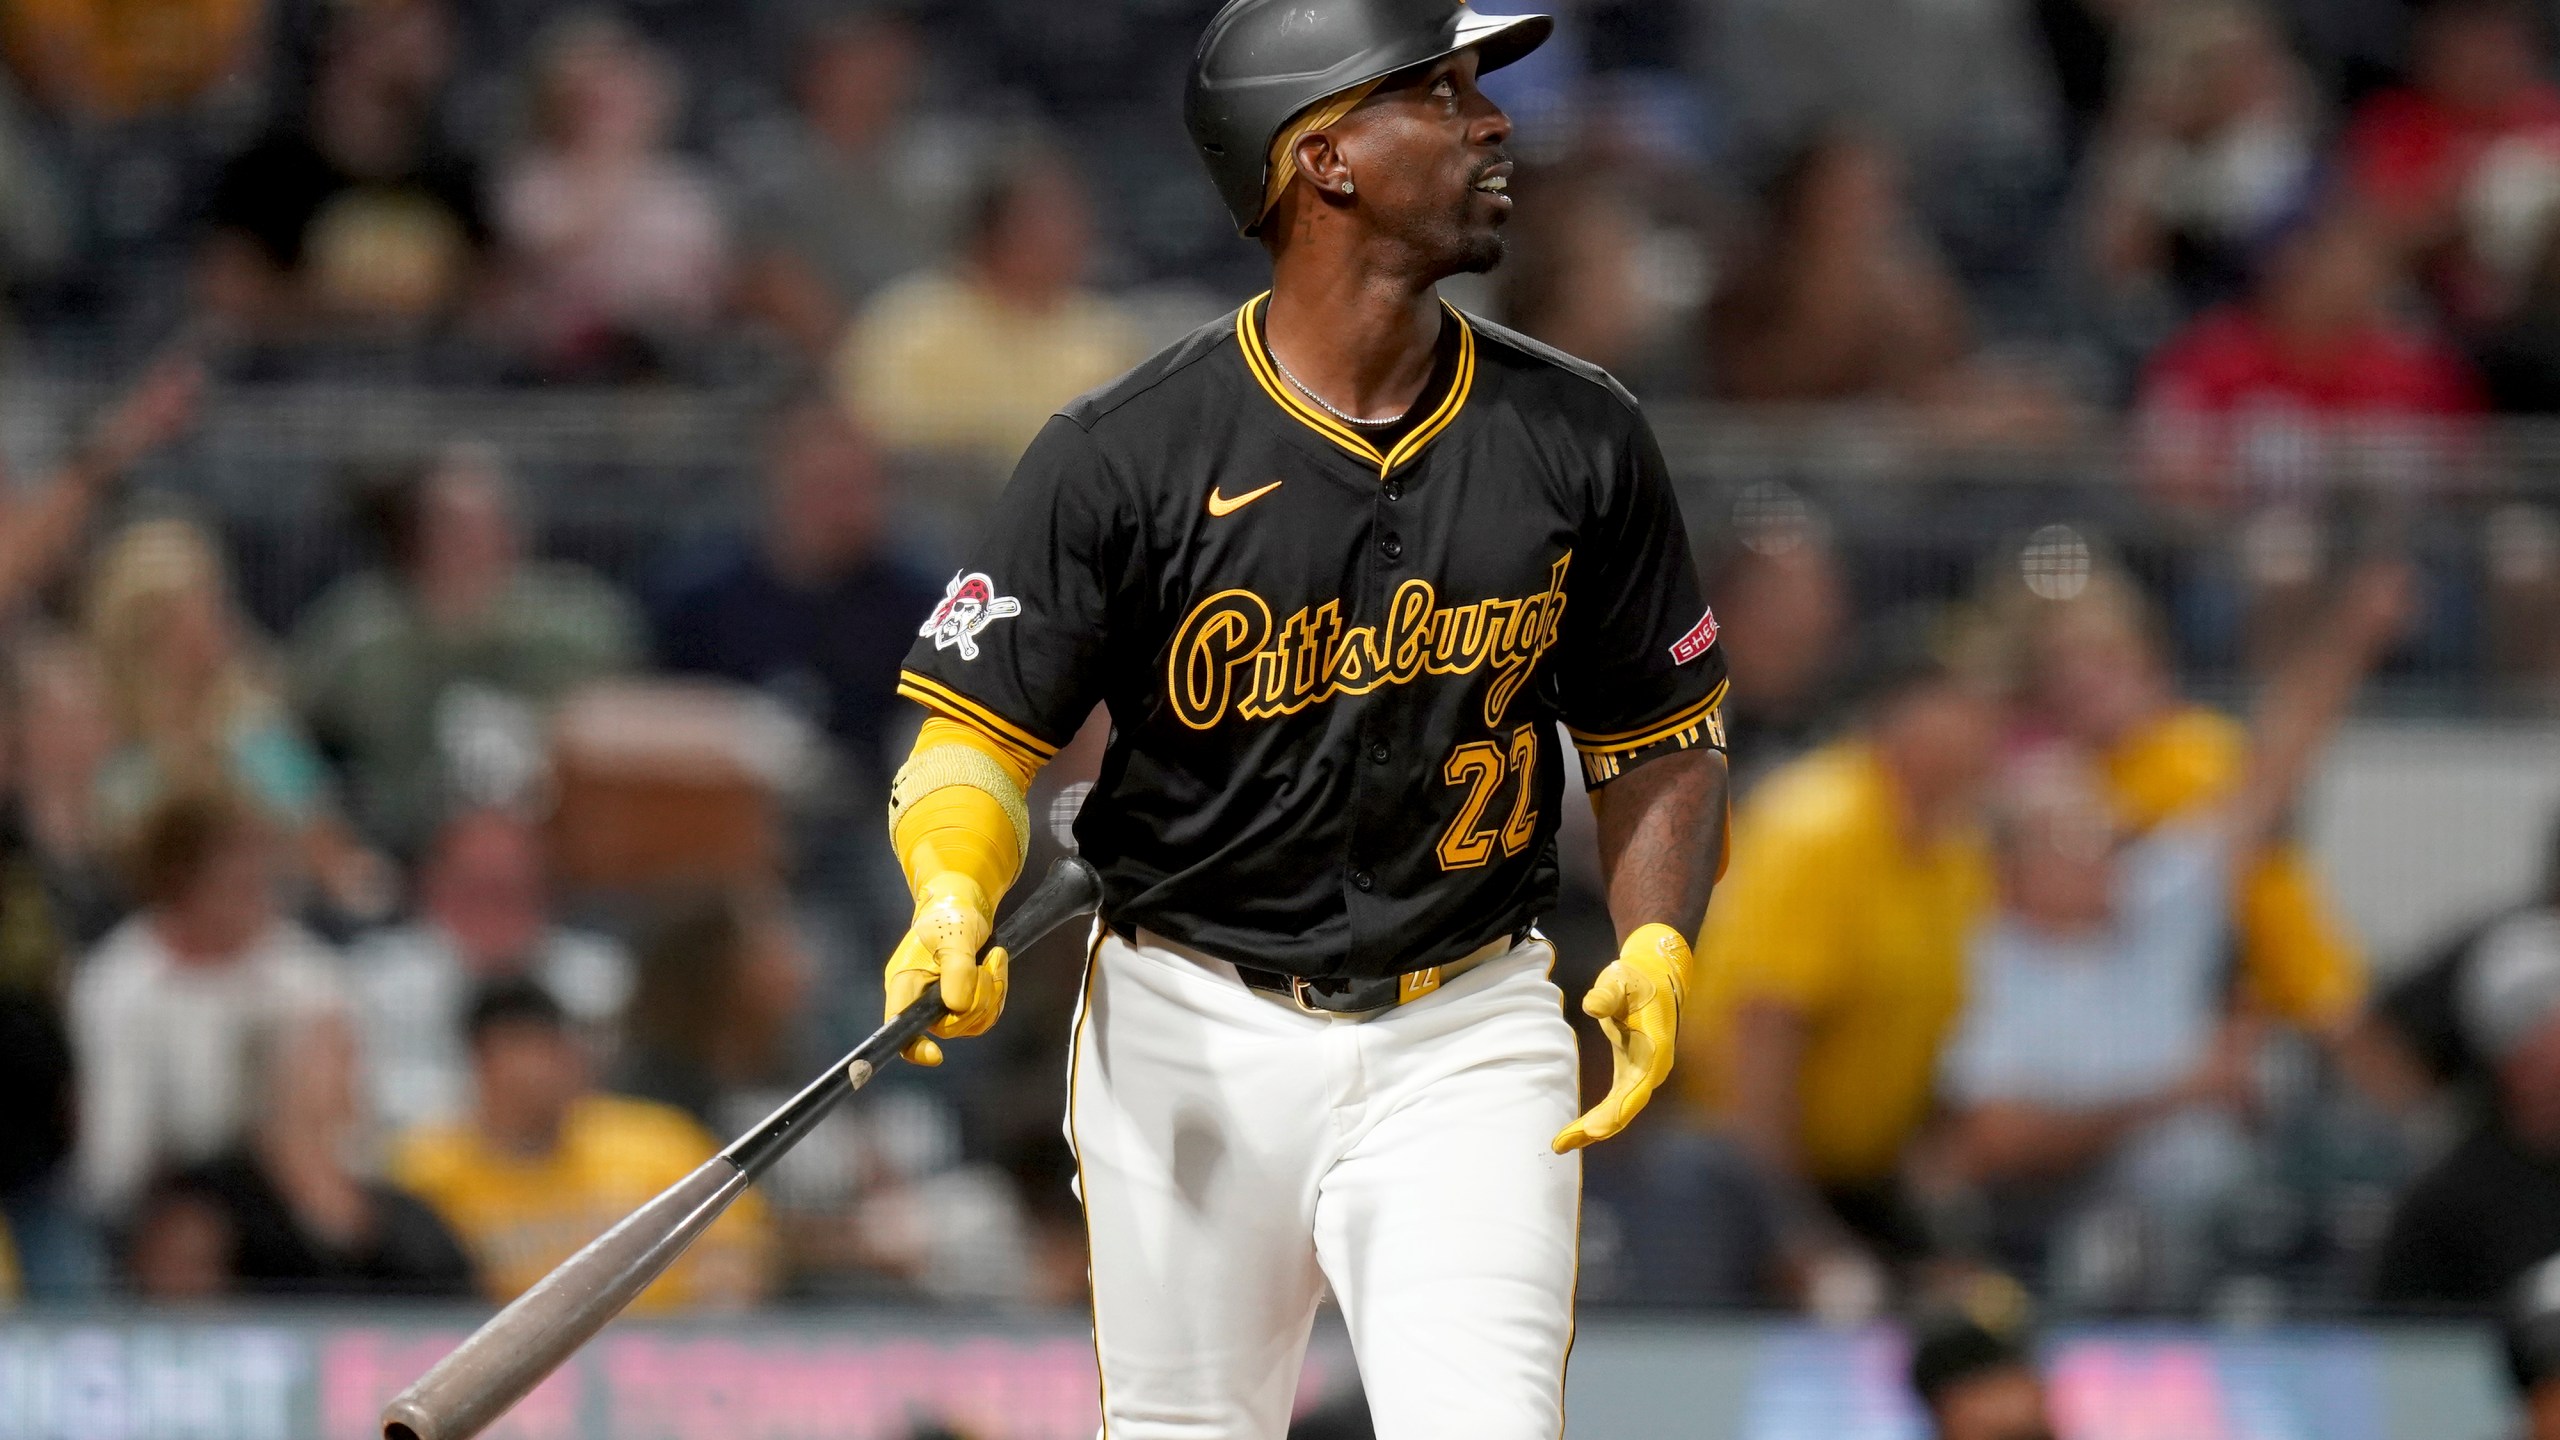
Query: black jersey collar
[(1257, 358)]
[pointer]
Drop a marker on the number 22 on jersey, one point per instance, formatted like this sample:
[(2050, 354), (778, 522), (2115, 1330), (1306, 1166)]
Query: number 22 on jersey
[(1480, 766)]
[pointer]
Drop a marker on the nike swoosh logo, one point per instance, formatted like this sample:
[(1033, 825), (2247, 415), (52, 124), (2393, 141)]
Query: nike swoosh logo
[(1221, 505)]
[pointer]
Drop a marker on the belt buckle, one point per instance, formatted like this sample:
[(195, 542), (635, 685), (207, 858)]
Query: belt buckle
[(1298, 996)]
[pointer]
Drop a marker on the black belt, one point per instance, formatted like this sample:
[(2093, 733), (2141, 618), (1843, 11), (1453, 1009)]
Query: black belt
[(1350, 995)]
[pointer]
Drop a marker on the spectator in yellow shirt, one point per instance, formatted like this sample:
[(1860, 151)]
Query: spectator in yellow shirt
[(544, 1164), (2097, 671), (969, 362), (1832, 962), (2099, 1084)]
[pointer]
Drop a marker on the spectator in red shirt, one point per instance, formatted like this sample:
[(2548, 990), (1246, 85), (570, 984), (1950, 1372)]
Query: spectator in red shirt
[(2250, 398), (2463, 162)]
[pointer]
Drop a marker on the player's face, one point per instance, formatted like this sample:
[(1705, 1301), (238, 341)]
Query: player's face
[(1429, 157)]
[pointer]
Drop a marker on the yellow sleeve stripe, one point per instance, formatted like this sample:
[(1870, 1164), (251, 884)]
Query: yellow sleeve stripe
[(1658, 731), (941, 729), (1599, 767), (950, 703)]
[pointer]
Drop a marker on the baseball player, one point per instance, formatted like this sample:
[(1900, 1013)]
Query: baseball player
[(1338, 564)]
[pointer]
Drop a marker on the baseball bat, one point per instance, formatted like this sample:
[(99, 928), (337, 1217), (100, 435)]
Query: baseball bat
[(528, 1339)]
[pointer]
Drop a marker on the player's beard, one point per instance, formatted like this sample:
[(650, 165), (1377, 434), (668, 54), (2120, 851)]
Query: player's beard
[(1431, 227), (1454, 241), (1474, 234), (1482, 249)]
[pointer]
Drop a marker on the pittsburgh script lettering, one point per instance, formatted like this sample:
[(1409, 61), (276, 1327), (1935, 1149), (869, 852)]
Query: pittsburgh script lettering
[(1227, 655)]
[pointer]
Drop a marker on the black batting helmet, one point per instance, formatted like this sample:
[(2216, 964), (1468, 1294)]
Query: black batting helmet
[(1263, 61)]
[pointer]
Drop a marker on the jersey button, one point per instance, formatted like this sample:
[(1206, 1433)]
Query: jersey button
[(1394, 489), (1391, 547), (1363, 881), (1377, 752)]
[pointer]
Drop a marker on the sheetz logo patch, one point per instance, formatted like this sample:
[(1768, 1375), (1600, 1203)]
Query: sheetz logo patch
[(1694, 644), (1228, 656), (969, 604)]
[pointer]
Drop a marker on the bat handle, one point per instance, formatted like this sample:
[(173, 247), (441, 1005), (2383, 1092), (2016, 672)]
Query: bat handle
[(1069, 889), (893, 1039), (754, 1152)]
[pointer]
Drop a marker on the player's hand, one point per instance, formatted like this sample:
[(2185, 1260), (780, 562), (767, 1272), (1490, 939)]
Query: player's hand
[(1637, 1002), (941, 947)]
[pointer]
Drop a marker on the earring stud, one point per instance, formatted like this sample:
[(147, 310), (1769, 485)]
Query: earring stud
[(1346, 187)]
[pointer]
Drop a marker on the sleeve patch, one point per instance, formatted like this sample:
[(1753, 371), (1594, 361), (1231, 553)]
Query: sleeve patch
[(969, 604), (1694, 644)]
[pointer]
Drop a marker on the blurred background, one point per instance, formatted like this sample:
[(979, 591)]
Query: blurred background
[(469, 470)]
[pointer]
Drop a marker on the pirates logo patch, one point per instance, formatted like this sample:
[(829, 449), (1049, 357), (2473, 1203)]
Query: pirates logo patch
[(969, 604)]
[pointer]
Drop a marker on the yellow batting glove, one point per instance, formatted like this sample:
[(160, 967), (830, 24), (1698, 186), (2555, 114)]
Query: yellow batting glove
[(941, 947), (1637, 1002)]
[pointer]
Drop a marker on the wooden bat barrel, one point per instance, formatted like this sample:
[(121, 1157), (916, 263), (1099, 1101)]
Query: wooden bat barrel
[(540, 1328), (507, 1357)]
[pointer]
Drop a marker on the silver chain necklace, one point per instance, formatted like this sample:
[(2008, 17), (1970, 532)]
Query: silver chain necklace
[(1301, 387)]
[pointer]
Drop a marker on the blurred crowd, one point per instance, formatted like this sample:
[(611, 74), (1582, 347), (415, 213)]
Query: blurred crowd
[(396, 938), (401, 952), (2017, 976), (2244, 218)]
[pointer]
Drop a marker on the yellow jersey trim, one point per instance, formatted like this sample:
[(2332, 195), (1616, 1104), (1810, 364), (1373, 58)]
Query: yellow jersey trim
[(1599, 767), (1257, 359), (951, 704), (1447, 410), (1654, 733)]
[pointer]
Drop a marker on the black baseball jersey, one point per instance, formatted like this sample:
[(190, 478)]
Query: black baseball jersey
[(1333, 674)]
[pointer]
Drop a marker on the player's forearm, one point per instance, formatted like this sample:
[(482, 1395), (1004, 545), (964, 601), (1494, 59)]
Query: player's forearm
[(958, 808), (1661, 840)]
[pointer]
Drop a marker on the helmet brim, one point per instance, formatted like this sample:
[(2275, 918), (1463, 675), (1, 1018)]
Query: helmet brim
[(1499, 40)]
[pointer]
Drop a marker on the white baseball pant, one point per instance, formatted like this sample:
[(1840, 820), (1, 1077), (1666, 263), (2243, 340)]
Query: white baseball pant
[(1236, 1155)]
